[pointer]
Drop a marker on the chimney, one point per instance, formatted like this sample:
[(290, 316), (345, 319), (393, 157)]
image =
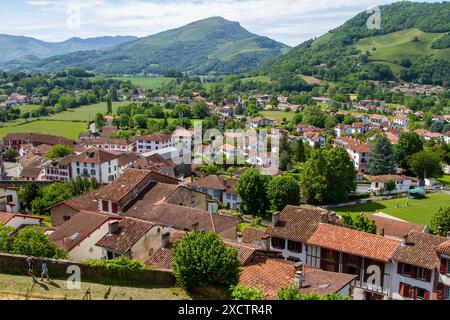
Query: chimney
[(299, 278), (239, 236), (276, 219), (324, 217), (266, 242), (195, 226), (113, 227), (165, 240)]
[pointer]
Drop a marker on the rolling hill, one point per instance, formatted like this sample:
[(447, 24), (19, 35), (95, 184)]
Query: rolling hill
[(25, 49), (412, 44), (209, 46)]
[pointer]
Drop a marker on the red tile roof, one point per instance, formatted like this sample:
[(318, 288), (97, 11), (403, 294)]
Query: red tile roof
[(250, 234), (353, 144), (156, 136), (81, 226), (216, 182), (162, 258), (444, 247), (394, 227), (354, 242), (130, 231), (98, 156), (297, 223), (419, 250), (271, 275), (388, 177)]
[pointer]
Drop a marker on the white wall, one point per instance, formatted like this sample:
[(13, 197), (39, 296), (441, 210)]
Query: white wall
[(13, 193), (397, 278), (87, 248), (17, 222)]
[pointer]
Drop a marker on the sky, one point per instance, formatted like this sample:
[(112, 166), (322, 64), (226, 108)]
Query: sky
[(287, 21)]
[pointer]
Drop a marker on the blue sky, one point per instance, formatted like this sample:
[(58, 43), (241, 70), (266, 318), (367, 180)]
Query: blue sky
[(288, 21)]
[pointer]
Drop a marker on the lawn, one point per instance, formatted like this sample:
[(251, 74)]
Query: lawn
[(278, 115), (69, 130), (263, 79), (444, 180), (244, 225), (417, 211), (14, 287), (85, 113), (145, 82)]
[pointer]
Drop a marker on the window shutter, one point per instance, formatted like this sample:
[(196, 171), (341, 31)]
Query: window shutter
[(427, 295), (402, 289), (443, 266), (413, 292)]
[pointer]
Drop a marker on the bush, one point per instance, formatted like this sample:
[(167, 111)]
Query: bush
[(202, 258), (32, 241), (119, 268), (246, 293), (293, 293)]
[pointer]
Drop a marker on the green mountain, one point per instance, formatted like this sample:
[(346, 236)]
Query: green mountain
[(413, 44), (25, 49), (210, 46)]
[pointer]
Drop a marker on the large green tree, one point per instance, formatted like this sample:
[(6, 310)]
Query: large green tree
[(382, 157), (409, 144), (50, 195), (252, 187), (440, 222), (32, 241), (202, 258), (425, 164), (327, 177), (283, 191), (59, 151)]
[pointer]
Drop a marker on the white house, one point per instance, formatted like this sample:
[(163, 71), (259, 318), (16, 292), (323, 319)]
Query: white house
[(17, 221), (401, 119), (261, 122), (109, 144), (155, 141), (314, 139), (9, 200), (358, 151), (102, 165), (379, 183), (80, 234)]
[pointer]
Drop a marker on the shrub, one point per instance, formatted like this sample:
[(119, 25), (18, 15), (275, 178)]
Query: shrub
[(246, 293)]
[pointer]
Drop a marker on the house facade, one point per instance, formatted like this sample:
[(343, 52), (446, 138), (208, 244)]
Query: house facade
[(155, 141), (96, 163)]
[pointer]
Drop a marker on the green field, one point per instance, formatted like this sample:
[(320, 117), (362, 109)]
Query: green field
[(144, 82), (278, 115), (69, 130), (85, 113), (410, 43), (28, 108), (263, 79), (417, 211), (14, 287)]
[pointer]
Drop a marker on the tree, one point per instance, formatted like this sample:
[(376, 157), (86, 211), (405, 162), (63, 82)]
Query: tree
[(99, 121), (207, 169), (328, 176), (298, 152), (200, 110), (28, 193), (440, 222), (292, 292), (252, 187), (390, 186), (202, 258), (32, 241), (6, 239), (409, 144), (50, 195), (425, 164), (359, 223), (11, 155), (109, 108), (283, 191), (246, 293), (59, 151), (382, 157)]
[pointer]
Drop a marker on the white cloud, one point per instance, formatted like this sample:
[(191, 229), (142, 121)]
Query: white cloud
[(290, 21)]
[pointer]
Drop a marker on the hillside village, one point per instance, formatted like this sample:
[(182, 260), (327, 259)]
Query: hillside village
[(300, 180)]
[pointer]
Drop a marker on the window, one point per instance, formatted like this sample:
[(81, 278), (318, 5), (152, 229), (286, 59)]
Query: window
[(278, 243), (421, 294), (78, 170), (406, 270), (447, 293), (66, 218), (85, 172), (115, 207), (404, 290), (294, 246), (448, 266), (9, 198), (93, 172), (422, 274), (105, 206), (92, 165)]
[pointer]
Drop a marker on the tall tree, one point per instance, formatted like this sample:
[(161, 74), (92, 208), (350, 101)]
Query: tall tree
[(252, 187), (382, 157), (109, 109), (425, 164), (298, 152), (283, 191), (440, 223), (409, 144)]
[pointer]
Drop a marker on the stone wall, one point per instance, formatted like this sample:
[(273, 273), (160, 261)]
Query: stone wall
[(17, 265)]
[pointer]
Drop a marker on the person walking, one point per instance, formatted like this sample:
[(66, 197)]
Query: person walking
[(44, 273), (31, 266)]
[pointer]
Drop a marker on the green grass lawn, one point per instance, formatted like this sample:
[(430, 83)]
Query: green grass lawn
[(28, 108), (85, 113), (69, 130), (278, 115), (144, 82), (244, 225), (14, 287), (418, 211), (444, 180), (263, 79)]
